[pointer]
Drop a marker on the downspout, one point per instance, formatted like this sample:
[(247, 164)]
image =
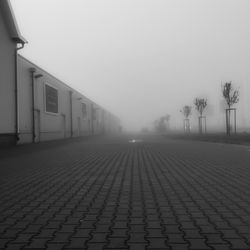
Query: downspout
[(16, 94), (71, 114), (32, 71), (33, 77)]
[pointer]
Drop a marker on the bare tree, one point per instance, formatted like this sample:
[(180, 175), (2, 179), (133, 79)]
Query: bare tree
[(162, 128), (186, 111), (162, 124), (158, 125), (200, 105), (231, 97), (167, 120)]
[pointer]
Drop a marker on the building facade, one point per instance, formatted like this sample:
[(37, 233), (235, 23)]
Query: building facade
[(36, 106)]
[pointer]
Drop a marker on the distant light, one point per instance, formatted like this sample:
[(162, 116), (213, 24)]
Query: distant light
[(135, 140)]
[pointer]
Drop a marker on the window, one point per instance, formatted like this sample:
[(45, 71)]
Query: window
[(84, 110), (51, 99)]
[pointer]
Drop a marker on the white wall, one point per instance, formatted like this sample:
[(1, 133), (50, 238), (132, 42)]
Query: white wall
[(48, 126), (7, 80), (51, 126)]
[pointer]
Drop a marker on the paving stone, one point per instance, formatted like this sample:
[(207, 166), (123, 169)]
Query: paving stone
[(198, 244), (188, 225), (135, 246), (67, 228), (137, 238), (137, 228), (119, 233), (46, 233), (61, 238), (10, 234), (220, 247), (102, 228), (38, 243), (193, 234), (176, 238), (22, 238), (238, 244), (3, 242), (154, 232), (98, 238), (153, 224), (177, 246), (76, 243), (231, 234), (14, 247), (120, 224), (55, 246), (34, 229), (96, 246), (117, 242), (157, 243), (215, 239)]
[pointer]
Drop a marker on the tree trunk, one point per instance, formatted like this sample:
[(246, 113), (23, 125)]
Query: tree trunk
[(200, 124)]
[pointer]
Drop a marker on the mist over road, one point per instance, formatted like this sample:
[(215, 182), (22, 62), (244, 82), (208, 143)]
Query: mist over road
[(128, 192)]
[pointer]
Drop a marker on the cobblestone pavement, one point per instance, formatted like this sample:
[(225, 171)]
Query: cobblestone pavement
[(112, 194)]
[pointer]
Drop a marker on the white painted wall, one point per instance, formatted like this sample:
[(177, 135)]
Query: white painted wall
[(7, 80), (52, 125), (48, 126)]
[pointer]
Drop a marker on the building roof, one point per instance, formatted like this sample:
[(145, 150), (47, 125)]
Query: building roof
[(8, 15)]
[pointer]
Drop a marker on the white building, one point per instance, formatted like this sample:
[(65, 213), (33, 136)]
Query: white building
[(36, 106)]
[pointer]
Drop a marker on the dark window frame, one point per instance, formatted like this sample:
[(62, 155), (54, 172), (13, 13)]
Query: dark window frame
[(51, 110), (84, 110)]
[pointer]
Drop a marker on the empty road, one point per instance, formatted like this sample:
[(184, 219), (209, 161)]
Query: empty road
[(121, 193)]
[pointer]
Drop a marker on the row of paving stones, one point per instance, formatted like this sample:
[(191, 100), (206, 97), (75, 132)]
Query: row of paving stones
[(124, 196)]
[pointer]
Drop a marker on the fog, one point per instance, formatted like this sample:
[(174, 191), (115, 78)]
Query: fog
[(144, 59)]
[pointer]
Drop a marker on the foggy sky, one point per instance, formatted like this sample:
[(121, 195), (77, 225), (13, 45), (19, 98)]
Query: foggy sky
[(142, 59)]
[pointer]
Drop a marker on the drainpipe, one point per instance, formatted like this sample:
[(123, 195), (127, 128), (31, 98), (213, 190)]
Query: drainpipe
[(33, 77), (16, 95), (32, 71), (71, 113)]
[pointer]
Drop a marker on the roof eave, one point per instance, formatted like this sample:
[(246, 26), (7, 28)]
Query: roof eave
[(11, 22), (19, 39)]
